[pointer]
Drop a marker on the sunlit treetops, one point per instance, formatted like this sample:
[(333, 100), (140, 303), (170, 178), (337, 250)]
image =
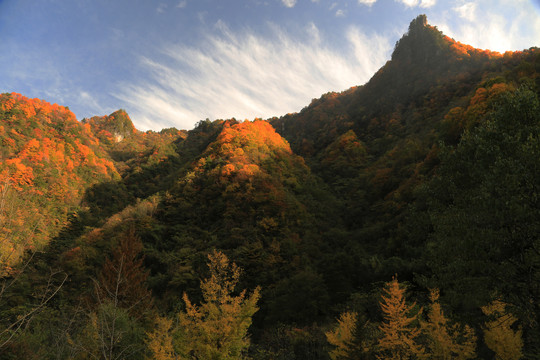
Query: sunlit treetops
[(240, 149), (33, 107), (48, 159), (46, 140), (464, 50), (259, 135)]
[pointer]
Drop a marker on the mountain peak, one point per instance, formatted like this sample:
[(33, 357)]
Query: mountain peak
[(118, 124), (419, 43), (418, 24)]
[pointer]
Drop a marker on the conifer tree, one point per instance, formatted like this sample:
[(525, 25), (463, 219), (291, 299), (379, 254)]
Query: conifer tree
[(498, 333), (342, 336), (447, 341), (217, 329), (399, 331), (160, 341)]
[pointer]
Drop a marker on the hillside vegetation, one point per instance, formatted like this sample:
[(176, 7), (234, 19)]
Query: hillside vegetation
[(395, 220)]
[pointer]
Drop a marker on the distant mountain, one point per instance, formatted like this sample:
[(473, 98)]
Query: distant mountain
[(319, 208)]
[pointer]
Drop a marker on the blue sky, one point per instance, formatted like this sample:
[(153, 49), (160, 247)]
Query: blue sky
[(173, 63)]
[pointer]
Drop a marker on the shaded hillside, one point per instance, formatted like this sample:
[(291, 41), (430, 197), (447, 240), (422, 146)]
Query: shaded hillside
[(374, 144)]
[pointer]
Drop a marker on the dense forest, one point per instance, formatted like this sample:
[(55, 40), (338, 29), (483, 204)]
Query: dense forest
[(399, 219)]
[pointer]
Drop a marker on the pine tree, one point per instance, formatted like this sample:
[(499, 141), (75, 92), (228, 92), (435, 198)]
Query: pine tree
[(399, 331), (447, 341), (498, 333)]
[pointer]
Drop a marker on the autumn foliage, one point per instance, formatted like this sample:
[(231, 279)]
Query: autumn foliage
[(430, 170), (400, 335), (217, 328)]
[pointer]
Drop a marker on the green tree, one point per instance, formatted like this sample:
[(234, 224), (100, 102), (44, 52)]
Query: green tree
[(110, 334), (485, 211), (121, 299)]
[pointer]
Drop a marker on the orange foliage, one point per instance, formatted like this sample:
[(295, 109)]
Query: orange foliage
[(258, 134), (465, 51), (247, 171), (6, 103), (479, 97), (20, 174), (243, 146)]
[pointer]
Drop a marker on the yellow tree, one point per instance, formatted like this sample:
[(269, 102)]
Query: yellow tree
[(342, 336), (218, 327), (498, 333), (160, 341), (447, 341), (399, 331)]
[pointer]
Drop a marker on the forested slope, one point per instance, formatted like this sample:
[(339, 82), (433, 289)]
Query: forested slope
[(428, 171)]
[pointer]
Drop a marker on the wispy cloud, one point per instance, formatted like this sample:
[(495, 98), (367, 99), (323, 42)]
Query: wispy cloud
[(244, 75), (182, 4), (340, 13), (313, 32), (161, 8), (88, 101)]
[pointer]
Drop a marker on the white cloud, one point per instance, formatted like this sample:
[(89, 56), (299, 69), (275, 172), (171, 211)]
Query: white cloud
[(466, 11), (182, 4), (496, 25), (415, 3), (409, 3), (367, 2), (427, 3), (244, 75), (289, 3), (340, 13)]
